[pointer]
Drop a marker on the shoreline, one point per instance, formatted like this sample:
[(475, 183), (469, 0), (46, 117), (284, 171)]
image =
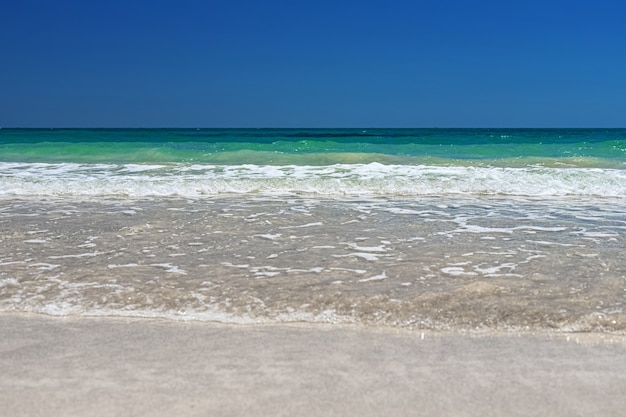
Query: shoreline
[(427, 264), (595, 336), (135, 366)]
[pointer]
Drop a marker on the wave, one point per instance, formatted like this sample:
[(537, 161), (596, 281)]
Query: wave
[(196, 181)]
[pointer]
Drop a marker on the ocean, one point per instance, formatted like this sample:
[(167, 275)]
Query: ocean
[(462, 229)]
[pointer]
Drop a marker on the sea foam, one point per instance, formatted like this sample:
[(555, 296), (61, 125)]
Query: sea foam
[(196, 181)]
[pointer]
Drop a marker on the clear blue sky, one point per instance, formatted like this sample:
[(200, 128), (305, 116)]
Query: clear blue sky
[(290, 63)]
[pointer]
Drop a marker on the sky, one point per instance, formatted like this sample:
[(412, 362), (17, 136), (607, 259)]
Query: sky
[(318, 63)]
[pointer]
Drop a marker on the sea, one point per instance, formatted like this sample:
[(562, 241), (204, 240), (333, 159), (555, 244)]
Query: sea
[(439, 229)]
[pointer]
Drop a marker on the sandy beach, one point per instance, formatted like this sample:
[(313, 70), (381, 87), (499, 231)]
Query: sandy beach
[(142, 367), (312, 209)]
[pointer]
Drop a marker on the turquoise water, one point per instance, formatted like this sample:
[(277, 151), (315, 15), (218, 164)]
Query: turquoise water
[(501, 147), (330, 162)]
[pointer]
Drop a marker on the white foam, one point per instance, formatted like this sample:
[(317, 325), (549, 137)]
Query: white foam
[(300, 226), (457, 271), (267, 271), (269, 236), (115, 266), (547, 243), (355, 271), (86, 245), (174, 269), (11, 263), (21, 179), (495, 269), (481, 229), (367, 248), (78, 255), (363, 255), (596, 234), (8, 281), (44, 266), (241, 266), (379, 277)]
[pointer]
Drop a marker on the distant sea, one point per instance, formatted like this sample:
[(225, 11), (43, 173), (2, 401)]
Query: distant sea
[(322, 162), (419, 228)]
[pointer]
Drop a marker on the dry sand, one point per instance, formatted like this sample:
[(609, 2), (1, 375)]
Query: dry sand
[(139, 367)]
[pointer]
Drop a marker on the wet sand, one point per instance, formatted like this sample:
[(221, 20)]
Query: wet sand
[(141, 367)]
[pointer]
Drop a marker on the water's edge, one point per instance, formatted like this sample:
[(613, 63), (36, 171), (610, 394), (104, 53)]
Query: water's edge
[(443, 264)]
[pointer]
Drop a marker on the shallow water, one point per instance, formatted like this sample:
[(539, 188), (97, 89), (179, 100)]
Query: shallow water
[(430, 263), (417, 228)]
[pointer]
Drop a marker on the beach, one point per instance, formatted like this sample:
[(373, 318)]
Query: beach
[(316, 208), (434, 272), (432, 264), (142, 367), (304, 307)]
